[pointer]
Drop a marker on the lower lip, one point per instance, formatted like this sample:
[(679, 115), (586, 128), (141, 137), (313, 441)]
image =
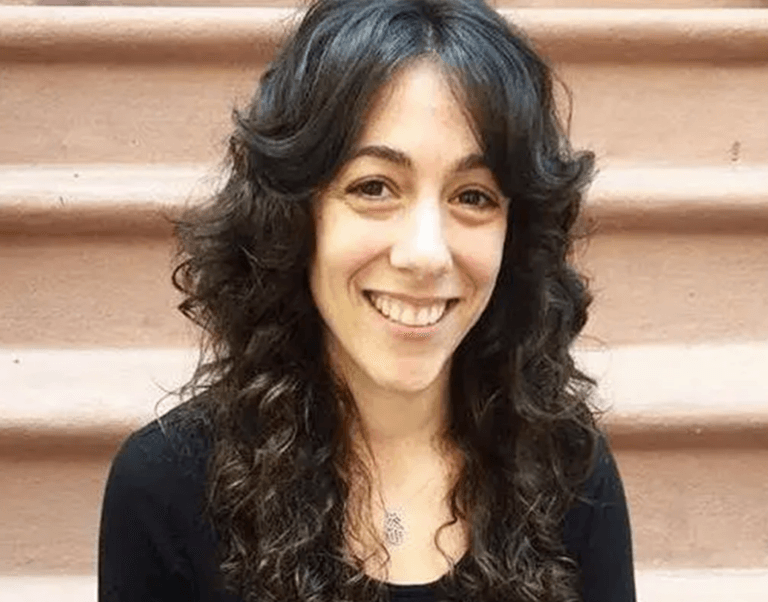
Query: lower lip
[(405, 331)]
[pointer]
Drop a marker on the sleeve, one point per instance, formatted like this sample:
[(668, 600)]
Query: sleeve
[(140, 555), (604, 544)]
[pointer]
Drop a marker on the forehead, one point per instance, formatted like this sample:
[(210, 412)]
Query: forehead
[(419, 107)]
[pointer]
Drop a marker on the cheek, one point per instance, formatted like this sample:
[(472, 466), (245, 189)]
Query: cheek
[(344, 247), (480, 251)]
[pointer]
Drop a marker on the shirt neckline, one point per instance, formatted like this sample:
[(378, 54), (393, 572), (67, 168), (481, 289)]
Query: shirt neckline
[(418, 589)]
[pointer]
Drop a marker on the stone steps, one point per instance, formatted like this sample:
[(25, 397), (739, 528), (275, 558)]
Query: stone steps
[(113, 118)]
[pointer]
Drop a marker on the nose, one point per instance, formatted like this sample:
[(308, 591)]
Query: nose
[(421, 245)]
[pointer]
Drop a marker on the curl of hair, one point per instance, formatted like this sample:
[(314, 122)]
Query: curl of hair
[(282, 466)]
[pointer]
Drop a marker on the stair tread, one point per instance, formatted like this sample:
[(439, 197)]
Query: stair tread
[(116, 389), (622, 194), (34, 32), (99, 183)]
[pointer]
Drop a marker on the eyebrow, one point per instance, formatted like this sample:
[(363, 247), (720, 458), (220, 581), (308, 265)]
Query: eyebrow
[(399, 158)]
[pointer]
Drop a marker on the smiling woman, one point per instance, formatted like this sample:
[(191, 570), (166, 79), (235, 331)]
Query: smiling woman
[(386, 407)]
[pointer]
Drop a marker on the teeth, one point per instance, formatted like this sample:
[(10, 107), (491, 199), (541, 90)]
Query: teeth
[(395, 310), (405, 313), (434, 313)]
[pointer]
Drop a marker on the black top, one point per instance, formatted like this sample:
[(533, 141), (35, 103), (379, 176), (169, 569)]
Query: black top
[(155, 545)]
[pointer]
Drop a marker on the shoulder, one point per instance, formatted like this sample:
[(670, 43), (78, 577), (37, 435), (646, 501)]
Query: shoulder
[(155, 540), (163, 460), (597, 532), (603, 481), (602, 488)]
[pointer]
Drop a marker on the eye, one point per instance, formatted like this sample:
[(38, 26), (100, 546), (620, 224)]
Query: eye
[(476, 199), (370, 189)]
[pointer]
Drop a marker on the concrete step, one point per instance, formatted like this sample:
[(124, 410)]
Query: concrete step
[(146, 85), (734, 585), (108, 391), (101, 198), (86, 254), (689, 426)]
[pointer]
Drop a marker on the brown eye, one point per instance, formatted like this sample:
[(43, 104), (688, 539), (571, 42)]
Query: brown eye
[(372, 188), (476, 199)]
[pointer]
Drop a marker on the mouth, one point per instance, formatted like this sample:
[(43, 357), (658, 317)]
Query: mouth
[(407, 314)]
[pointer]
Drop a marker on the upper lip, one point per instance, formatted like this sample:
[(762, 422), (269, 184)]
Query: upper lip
[(425, 301)]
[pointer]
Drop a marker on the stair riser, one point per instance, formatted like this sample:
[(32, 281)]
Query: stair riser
[(689, 507), (698, 507), (663, 113), (662, 287), (49, 512), (108, 113), (88, 291)]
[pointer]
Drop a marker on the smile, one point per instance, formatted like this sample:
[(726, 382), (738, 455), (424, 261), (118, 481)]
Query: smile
[(407, 314)]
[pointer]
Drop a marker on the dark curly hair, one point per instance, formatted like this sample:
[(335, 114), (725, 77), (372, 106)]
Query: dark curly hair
[(282, 463)]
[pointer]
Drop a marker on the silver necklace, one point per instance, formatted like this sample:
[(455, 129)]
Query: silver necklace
[(394, 522)]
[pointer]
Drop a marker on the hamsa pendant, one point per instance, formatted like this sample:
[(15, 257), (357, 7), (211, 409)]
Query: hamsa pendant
[(394, 531)]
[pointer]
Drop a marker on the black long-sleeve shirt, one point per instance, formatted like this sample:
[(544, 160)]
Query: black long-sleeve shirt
[(156, 546)]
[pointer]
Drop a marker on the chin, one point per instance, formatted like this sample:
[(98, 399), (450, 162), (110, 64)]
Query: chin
[(406, 378)]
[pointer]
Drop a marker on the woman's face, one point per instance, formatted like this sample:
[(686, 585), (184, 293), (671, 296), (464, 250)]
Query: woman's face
[(409, 238)]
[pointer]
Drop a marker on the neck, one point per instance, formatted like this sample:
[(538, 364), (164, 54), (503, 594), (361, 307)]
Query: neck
[(402, 425), (399, 427), (401, 436)]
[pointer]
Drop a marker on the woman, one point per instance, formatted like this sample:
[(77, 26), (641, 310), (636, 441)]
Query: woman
[(387, 407)]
